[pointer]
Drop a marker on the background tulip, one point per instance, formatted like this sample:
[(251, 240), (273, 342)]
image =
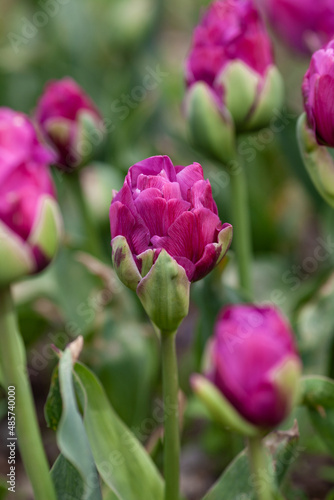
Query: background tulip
[(254, 363), (230, 69), (29, 216), (318, 92), (70, 122), (304, 25)]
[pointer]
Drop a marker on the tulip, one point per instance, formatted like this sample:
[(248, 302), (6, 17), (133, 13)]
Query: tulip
[(29, 214), (165, 233), (232, 82), (70, 122), (254, 364), (318, 92), (305, 25)]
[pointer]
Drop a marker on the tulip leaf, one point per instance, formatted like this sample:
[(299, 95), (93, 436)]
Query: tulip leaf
[(71, 436), (318, 395), (120, 459), (53, 406), (237, 481), (67, 480)]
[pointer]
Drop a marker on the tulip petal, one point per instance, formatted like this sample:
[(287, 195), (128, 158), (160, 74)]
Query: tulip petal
[(200, 195), (324, 108), (153, 166), (123, 223), (187, 176)]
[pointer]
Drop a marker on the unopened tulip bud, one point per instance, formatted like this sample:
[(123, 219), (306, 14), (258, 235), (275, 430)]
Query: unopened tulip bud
[(232, 82), (254, 364), (70, 122), (29, 215)]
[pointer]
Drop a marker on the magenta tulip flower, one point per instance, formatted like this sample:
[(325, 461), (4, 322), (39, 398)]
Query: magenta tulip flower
[(318, 91), (164, 220), (29, 215), (231, 78), (254, 363), (70, 122), (305, 25)]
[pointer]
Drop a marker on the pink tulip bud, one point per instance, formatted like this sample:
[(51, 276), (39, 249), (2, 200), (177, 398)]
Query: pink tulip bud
[(318, 91), (305, 25), (231, 63), (165, 231), (29, 215), (70, 122), (254, 363)]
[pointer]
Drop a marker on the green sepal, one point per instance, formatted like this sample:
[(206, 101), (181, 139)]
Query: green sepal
[(240, 85), (224, 239), (59, 129), (123, 262), (164, 293), (47, 229), (286, 379), (271, 98), (221, 409), (16, 259), (317, 160), (90, 136), (211, 129), (146, 259)]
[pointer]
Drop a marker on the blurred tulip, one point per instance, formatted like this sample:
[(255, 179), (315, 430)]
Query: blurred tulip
[(29, 214), (70, 122), (165, 228), (232, 82), (254, 363), (318, 92), (305, 25)]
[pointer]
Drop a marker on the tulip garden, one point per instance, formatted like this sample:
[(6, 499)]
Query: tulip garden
[(166, 250)]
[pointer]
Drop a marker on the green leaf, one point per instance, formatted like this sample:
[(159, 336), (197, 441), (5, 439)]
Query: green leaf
[(317, 391), (71, 436), (318, 395), (53, 406), (237, 480), (67, 480), (121, 460)]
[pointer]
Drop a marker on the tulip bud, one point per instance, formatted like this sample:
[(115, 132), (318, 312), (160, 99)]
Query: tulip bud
[(232, 82), (254, 364), (165, 234), (317, 160), (70, 122), (305, 25), (29, 214), (318, 92)]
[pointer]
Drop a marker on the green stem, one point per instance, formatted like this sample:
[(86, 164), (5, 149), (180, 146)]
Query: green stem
[(171, 416), (260, 467), (92, 243), (242, 229), (12, 359)]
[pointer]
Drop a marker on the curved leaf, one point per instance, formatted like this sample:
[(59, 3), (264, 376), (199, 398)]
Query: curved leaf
[(121, 460)]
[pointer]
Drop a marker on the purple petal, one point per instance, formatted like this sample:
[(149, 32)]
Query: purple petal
[(151, 207), (200, 195), (324, 108), (153, 166), (122, 223), (174, 209), (187, 176)]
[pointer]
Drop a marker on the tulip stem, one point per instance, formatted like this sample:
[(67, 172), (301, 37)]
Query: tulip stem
[(259, 465), (171, 416), (13, 364), (242, 228), (92, 243)]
